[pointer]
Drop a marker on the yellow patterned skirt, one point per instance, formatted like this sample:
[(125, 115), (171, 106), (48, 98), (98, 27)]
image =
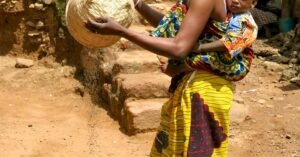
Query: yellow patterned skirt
[(195, 120)]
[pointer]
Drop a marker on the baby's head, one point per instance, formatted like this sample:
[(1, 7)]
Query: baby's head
[(240, 6)]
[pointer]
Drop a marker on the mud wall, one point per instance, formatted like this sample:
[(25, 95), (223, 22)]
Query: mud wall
[(33, 28)]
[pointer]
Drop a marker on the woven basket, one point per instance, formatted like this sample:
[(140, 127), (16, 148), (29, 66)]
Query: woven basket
[(77, 12)]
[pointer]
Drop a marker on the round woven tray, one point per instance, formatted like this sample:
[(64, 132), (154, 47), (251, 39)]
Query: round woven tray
[(77, 12)]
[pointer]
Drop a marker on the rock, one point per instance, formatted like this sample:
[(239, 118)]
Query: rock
[(64, 62), (288, 106), (30, 23), (79, 90), (39, 25), (238, 112), (262, 49), (142, 115), (23, 63), (124, 44), (135, 62), (247, 118), (278, 116), (61, 33), (296, 80), (38, 6), (261, 58), (33, 33), (48, 2), (261, 101), (68, 72), (238, 99), (287, 75), (294, 54), (279, 99), (298, 109), (288, 136), (275, 67), (134, 86), (279, 59), (293, 61), (31, 6)]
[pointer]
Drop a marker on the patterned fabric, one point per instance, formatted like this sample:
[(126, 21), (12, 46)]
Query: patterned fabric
[(170, 24), (195, 120), (237, 33)]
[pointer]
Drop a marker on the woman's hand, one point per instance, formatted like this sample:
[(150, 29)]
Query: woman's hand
[(104, 26), (137, 3), (168, 69)]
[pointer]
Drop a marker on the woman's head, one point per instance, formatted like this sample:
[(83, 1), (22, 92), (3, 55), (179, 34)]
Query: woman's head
[(239, 6)]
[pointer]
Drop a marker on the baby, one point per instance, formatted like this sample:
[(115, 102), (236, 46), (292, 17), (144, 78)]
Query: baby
[(225, 47)]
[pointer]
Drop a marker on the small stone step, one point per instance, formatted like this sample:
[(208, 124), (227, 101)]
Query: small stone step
[(141, 115), (141, 86), (138, 61), (127, 45), (138, 86)]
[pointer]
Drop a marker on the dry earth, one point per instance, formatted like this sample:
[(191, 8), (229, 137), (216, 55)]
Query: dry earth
[(41, 115)]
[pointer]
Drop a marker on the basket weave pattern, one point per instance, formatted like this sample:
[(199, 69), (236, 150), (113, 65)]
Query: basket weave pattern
[(77, 12)]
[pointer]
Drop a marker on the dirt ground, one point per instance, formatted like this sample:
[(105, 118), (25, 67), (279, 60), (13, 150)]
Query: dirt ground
[(42, 116)]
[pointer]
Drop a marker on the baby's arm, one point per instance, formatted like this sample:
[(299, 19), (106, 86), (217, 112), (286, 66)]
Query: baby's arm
[(215, 46), (240, 34)]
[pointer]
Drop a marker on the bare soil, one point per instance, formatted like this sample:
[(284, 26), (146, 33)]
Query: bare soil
[(41, 115)]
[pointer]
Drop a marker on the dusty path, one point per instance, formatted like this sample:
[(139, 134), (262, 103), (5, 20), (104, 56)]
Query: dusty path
[(41, 116)]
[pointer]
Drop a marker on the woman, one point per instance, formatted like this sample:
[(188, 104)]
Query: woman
[(194, 122)]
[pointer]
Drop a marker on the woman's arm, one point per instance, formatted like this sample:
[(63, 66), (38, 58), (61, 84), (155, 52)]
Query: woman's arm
[(150, 14), (179, 47)]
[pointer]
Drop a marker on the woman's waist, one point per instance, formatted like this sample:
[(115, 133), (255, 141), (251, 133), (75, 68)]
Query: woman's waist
[(200, 79)]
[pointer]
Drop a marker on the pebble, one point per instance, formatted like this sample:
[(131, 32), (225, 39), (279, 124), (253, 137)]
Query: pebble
[(31, 6), (38, 6), (40, 25), (30, 23), (79, 90), (247, 118), (61, 33), (272, 66), (261, 101), (269, 106), (280, 98), (288, 106), (33, 33), (23, 63), (48, 2), (239, 99), (298, 109), (278, 116)]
